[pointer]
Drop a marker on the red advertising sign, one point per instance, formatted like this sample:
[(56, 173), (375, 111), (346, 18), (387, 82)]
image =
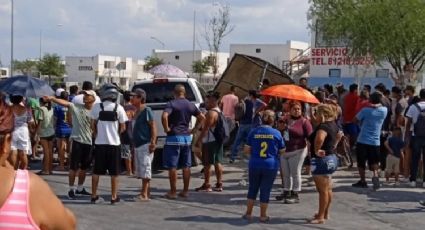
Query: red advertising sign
[(337, 56)]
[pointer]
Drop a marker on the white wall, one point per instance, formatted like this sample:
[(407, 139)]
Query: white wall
[(80, 69), (273, 53), (324, 58), (184, 59), (4, 72)]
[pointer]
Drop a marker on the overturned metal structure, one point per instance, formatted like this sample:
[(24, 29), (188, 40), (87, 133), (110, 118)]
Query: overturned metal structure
[(247, 72)]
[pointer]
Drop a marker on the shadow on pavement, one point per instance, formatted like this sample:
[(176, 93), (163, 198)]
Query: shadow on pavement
[(238, 221)]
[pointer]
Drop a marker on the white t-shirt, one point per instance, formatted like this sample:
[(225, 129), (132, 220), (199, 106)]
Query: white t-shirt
[(107, 131), (79, 100), (413, 113)]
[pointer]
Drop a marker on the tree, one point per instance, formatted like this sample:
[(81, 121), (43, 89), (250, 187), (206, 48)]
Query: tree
[(152, 62), (201, 67), (216, 28), (51, 65), (387, 30), (26, 67)]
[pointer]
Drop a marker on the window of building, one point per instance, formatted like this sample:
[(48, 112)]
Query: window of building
[(85, 68), (382, 73), (3, 72), (258, 50), (335, 73), (122, 65), (109, 64), (177, 57)]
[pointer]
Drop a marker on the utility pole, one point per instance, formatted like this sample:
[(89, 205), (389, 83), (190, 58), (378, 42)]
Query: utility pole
[(193, 45), (11, 41)]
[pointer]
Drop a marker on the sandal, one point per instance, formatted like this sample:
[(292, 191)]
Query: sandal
[(316, 215), (265, 220), (183, 194), (42, 173), (170, 197), (316, 221), (247, 217)]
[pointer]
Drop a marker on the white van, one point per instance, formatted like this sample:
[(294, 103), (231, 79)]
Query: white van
[(158, 92)]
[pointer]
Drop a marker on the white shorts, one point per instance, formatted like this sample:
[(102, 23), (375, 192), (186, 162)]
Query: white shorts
[(20, 139), (143, 161)]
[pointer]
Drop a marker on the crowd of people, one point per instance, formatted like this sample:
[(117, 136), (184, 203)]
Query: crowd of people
[(383, 129)]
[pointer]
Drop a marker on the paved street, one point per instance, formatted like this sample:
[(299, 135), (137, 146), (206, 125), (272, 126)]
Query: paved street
[(389, 208)]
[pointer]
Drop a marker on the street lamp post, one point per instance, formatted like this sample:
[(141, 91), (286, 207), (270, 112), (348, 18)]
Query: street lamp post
[(41, 41), (159, 41)]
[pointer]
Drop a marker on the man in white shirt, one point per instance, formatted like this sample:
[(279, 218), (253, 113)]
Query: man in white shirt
[(418, 139), (79, 99), (108, 122)]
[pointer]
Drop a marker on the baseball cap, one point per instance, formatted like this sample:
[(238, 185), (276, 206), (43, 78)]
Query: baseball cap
[(90, 93), (58, 92), (339, 84)]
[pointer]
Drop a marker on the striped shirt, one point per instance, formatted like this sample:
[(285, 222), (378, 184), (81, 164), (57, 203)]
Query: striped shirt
[(15, 212)]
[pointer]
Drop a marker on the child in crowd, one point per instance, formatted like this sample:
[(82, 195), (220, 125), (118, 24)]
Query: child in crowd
[(395, 148)]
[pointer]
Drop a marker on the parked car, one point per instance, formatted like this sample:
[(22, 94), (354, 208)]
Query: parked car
[(158, 92)]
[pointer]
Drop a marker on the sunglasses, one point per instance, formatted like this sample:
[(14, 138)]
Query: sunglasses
[(281, 121)]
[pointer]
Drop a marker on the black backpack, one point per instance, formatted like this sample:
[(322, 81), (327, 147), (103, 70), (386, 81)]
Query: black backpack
[(221, 132), (419, 126), (108, 115)]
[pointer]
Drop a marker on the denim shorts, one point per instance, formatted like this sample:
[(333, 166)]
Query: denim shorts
[(177, 156), (324, 165)]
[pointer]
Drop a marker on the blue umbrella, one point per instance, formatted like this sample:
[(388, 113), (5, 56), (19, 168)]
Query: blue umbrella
[(26, 86)]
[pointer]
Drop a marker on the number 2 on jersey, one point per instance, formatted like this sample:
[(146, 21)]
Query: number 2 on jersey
[(263, 149)]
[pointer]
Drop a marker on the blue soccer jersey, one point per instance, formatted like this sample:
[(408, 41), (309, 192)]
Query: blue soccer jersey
[(265, 143)]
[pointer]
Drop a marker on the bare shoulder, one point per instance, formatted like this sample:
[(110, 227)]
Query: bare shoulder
[(46, 209)]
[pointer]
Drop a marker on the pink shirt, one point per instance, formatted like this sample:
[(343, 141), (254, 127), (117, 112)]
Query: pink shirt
[(15, 211), (229, 102)]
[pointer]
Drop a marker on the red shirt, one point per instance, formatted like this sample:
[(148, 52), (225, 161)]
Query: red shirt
[(350, 104), (299, 130), (361, 104)]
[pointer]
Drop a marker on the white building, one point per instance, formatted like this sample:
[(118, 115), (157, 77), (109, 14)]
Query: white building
[(101, 69), (276, 54), (331, 65), (4, 72), (184, 60)]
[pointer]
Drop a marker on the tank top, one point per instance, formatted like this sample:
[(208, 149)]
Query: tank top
[(22, 120), (15, 212)]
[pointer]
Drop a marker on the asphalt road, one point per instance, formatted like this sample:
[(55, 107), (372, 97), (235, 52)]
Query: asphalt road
[(352, 208)]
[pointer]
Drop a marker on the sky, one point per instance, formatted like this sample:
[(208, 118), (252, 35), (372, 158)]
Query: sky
[(126, 27)]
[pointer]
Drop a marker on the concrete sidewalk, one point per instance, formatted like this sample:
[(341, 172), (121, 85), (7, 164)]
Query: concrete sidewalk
[(352, 208)]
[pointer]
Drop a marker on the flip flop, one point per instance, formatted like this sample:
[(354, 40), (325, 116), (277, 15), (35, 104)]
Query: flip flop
[(265, 220), (316, 215), (316, 221), (41, 173), (140, 199), (247, 217), (183, 194)]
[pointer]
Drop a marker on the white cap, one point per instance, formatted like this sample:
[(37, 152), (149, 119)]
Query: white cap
[(58, 92)]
